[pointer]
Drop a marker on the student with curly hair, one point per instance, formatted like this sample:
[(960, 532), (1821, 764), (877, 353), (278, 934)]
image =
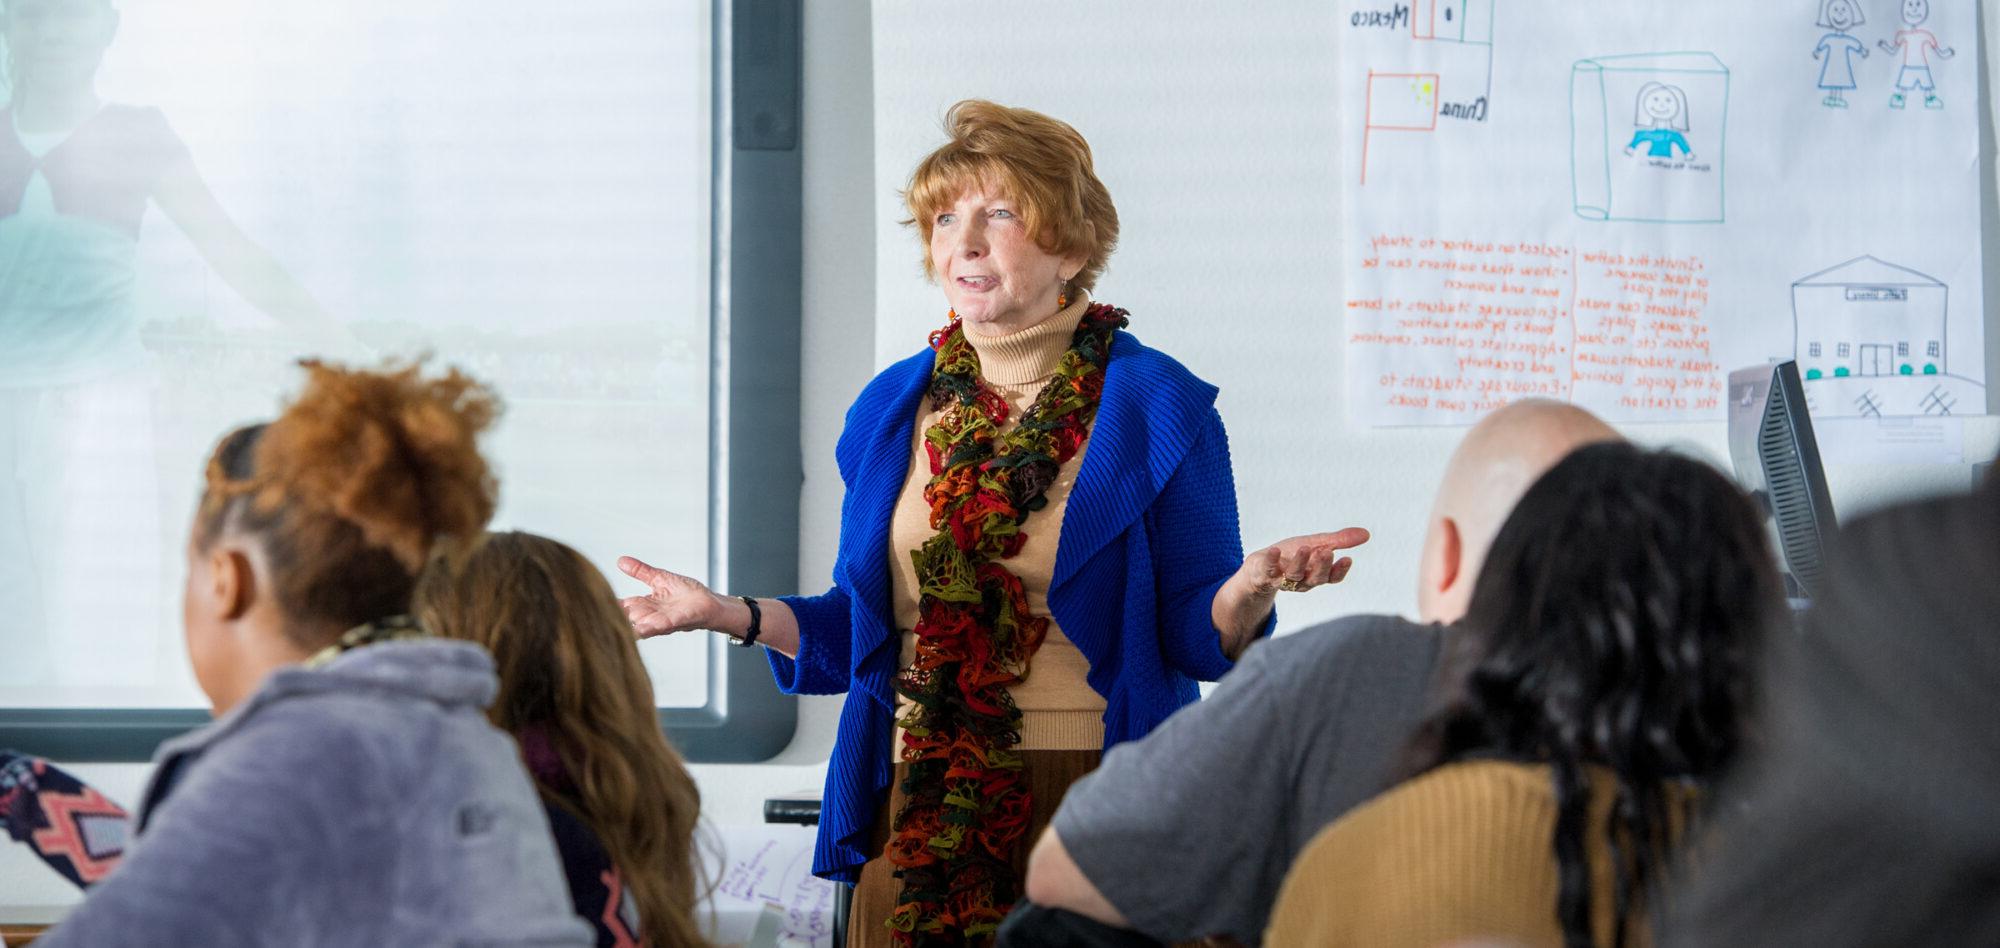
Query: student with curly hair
[(575, 694), (350, 790), (1603, 682)]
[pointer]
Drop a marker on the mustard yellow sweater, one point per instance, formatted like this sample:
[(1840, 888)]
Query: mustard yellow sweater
[(1462, 852)]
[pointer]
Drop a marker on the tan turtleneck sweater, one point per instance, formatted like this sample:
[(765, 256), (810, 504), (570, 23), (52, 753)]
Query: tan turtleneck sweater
[(1059, 710)]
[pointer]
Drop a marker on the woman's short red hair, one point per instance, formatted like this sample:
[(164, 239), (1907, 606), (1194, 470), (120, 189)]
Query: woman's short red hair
[(1039, 162)]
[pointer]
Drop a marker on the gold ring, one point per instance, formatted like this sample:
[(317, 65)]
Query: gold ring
[(1291, 585)]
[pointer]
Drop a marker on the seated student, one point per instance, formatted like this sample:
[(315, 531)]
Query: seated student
[(573, 691), (351, 790), (1867, 814), (1601, 684), (1187, 834)]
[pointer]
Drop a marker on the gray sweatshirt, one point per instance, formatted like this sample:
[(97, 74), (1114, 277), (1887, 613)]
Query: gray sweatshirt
[(365, 802)]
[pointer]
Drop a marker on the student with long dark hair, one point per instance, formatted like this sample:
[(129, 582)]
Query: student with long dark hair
[(1604, 681)]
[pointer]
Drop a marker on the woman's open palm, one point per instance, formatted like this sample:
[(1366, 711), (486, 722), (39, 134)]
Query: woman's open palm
[(675, 603)]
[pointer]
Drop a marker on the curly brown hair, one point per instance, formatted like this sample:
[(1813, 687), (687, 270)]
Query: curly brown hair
[(352, 487)]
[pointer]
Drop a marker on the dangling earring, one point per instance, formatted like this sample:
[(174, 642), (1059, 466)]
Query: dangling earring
[(1062, 295), (951, 314)]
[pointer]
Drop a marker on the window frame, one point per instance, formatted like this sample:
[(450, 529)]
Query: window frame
[(755, 226)]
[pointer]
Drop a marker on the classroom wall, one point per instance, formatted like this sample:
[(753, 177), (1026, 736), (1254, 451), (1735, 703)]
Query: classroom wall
[(1216, 134)]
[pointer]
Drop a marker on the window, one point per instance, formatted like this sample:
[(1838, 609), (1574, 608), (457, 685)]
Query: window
[(1931, 348), (424, 176), (1902, 348), (1841, 351), (1812, 349)]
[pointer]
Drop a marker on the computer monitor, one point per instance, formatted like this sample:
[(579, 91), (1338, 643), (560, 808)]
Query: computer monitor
[(1771, 445)]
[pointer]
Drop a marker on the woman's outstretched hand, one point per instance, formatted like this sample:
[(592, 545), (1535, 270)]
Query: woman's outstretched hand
[(1295, 564), (675, 603)]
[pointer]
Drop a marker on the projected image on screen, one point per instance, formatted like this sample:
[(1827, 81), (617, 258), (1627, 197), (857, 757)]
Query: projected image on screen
[(194, 193)]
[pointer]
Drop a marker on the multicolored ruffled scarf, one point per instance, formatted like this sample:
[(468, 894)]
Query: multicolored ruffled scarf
[(968, 801)]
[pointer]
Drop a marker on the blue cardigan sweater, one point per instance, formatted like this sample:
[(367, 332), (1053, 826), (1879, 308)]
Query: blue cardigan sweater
[(1150, 534)]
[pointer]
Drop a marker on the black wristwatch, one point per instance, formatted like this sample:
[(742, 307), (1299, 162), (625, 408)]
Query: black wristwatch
[(756, 623)]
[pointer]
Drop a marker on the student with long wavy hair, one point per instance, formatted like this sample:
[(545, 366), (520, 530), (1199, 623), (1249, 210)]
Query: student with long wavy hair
[(350, 790), (574, 693), (1604, 681)]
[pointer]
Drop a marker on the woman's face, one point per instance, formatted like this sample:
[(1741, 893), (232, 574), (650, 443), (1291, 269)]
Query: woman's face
[(996, 277), (1840, 13), (57, 43), (1660, 105)]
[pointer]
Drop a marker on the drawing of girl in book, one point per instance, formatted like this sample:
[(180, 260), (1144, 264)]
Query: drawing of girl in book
[(1661, 116), (1837, 48)]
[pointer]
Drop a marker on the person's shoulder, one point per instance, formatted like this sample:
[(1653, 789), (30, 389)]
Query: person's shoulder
[(902, 370), (1453, 852), (336, 728), (396, 704), (893, 382), (127, 115), (1434, 824), (1367, 640), (310, 749), (1486, 805), (1900, 535), (1131, 358), (139, 124), (1520, 785)]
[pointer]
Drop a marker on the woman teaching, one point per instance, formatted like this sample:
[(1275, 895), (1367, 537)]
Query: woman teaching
[(1038, 555)]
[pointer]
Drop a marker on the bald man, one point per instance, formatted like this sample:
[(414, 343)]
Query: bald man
[(1187, 834)]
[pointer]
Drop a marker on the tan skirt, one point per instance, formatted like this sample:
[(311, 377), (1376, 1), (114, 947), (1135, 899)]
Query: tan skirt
[(1050, 772)]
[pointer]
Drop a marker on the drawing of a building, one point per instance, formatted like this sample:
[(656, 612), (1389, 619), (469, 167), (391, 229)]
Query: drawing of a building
[(1866, 318)]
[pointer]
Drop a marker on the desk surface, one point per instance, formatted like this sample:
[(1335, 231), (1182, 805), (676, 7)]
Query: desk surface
[(16, 916), (14, 936), (19, 924)]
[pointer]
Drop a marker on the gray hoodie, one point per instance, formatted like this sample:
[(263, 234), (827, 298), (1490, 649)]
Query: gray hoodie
[(365, 802)]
